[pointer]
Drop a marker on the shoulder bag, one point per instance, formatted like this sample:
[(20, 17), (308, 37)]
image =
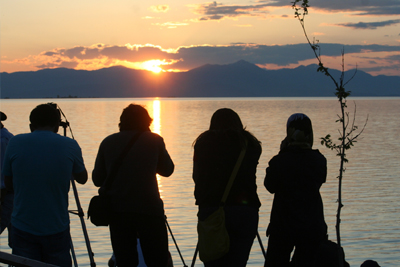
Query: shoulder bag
[(213, 238), (99, 211)]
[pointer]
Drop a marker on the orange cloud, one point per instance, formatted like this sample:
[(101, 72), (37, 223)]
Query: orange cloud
[(171, 25), (148, 17), (375, 59), (92, 57), (159, 8)]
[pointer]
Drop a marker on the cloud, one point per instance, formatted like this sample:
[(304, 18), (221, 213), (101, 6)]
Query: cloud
[(171, 25), (391, 70), (188, 57), (358, 7), (148, 17), (219, 11), (68, 65), (49, 53), (370, 25), (395, 58), (159, 8)]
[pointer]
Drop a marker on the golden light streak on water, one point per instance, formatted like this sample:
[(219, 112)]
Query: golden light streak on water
[(156, 128), (156, 125)]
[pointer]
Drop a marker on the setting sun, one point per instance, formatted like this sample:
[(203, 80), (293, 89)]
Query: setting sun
[(153, 65)]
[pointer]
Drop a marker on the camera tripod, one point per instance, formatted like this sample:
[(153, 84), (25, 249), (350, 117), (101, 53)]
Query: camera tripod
[(79, 210)]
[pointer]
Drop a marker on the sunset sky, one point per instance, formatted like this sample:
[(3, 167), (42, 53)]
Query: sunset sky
[(179, 35)]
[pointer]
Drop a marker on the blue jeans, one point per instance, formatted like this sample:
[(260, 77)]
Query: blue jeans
[(52, 249), (242, 226)]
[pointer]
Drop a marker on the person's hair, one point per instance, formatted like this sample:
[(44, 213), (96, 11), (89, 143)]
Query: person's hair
[(44, 115), (369, 263), (3, 117), (135, 117), (225, 119), (300, 121)]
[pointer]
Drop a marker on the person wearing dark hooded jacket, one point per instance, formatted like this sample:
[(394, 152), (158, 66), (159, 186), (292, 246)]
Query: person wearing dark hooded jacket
[(295, 176)]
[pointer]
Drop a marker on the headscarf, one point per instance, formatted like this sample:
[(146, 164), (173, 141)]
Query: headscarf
[(299, 131)]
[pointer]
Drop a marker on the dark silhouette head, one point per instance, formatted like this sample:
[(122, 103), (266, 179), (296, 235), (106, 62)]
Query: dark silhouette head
[(226, 119), (3, 117), (45, 116), (369, 263), (135, 117), (299, 130), (226, 123)]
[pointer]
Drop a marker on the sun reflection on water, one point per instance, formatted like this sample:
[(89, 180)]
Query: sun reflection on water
[(156, 128), (156, 125)]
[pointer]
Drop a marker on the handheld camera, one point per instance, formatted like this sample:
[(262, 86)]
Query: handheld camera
[(64, 124)]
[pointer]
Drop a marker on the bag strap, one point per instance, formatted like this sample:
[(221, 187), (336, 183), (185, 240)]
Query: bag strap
[(118, 162), (233, 174)]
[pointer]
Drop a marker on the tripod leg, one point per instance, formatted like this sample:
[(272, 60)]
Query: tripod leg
[(78, 204), (173, 238), (195, 255), (81, 215), (261, 244), (73, 253)]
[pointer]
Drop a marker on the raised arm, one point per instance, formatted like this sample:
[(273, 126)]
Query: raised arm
[(165, 165), (271, 181)]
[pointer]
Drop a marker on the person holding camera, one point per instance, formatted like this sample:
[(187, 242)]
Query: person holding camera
[(38, 166), (137, 208), (295, 177)]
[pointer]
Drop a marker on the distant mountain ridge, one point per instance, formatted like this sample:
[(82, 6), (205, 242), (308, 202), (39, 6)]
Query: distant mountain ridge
[(240, 79)]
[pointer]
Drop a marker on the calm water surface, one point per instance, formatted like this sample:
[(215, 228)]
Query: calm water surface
[(370, 218)]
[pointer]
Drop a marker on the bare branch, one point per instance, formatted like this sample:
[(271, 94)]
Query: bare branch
[(351, 78), (362, 129)]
